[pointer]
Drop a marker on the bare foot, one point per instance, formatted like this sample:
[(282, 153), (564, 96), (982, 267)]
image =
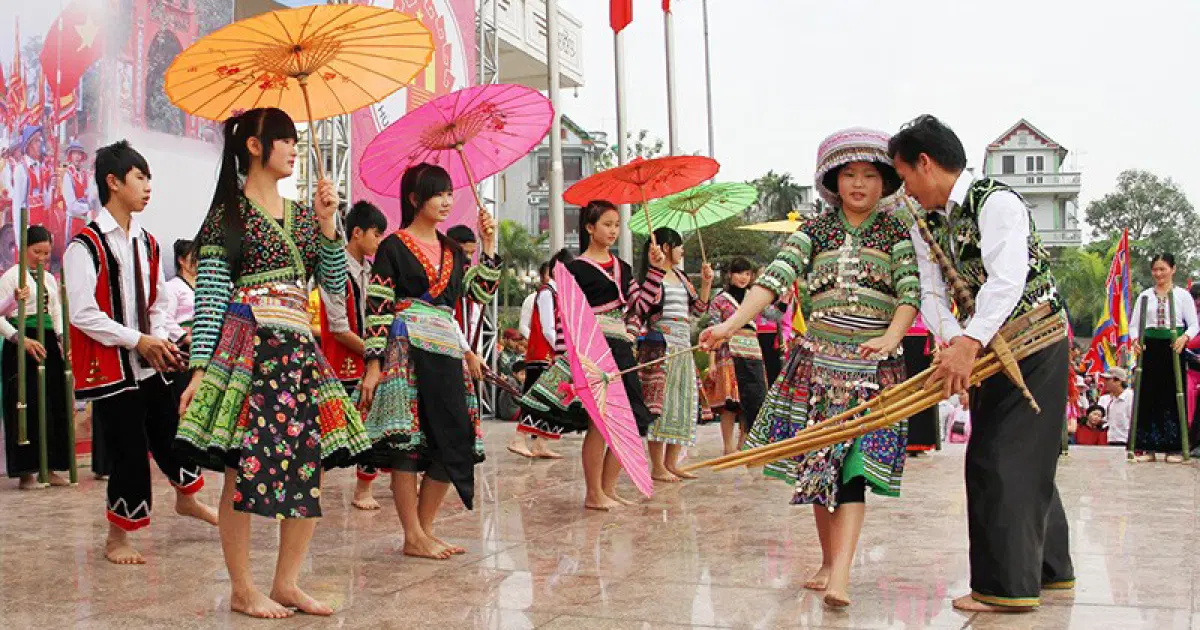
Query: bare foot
[(966, 603), (189, 505), (293, 597), (681, 474), (836, 600), (29, 482), (364, 500), (453, 549), (664, 475), (426, 548), (542, 451), (618, 498), (819, 580), (603, 503), (255, 604), (118, 551), (517, 445), (57, 481), (100, 477)]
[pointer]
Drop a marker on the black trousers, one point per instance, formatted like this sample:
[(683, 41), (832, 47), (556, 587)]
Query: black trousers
[(1018, 530), (772, 358), (134, 422)]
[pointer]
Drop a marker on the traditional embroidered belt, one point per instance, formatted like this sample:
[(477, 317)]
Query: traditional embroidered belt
[(276, 305), (428, 327), (744, 345), (674, 331), (612, 324)]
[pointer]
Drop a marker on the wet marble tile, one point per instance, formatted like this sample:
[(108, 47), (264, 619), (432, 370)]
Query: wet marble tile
[(725, 550)]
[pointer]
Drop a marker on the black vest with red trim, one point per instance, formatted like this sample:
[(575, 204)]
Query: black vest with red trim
[(102, 370), (347, 364)]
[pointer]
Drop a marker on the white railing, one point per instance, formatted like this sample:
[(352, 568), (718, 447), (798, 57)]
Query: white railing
[(1061, 238), (1048, 180)]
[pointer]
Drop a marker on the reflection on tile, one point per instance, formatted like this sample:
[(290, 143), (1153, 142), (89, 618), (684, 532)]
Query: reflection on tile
[(723, 551)]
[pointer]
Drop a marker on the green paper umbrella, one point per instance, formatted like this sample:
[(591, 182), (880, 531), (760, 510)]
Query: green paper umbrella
[(695, 208)]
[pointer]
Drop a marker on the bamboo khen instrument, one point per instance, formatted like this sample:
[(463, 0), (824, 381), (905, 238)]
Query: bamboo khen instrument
[(43, 453), (899, 401)]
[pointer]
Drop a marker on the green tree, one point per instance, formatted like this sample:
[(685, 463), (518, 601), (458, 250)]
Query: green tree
[(521, 252), (1158, 216), (641, 145), (778, 194), (1081, 274)]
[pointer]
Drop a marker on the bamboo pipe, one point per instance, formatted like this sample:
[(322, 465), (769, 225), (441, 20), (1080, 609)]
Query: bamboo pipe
[(896, 391), (1180, 404), (966, 302), (43, 447), (22, 269), (876, 420), (1046, 329), (1137, 378), (68, 377)]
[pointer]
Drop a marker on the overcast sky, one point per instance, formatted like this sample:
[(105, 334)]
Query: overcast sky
[(1114, 82)]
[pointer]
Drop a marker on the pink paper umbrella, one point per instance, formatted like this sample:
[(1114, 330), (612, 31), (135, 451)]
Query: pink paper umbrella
[(472, 133), (596, 380)]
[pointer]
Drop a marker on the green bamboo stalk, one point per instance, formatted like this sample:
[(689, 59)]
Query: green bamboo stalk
[(1137, 376), (22, 419), (43, 439), (68, 376), (1182, 406)]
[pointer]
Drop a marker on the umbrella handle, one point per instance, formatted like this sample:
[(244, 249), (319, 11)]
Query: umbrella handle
[(658, 360), (471, 180), (312, 126), (646, 210), (700, 238)]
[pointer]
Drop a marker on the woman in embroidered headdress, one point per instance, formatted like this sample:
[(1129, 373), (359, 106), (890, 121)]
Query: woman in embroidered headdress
[(619, 303), (858, 267), (737, 382), (671, 387), (419, 381), (263, 403)]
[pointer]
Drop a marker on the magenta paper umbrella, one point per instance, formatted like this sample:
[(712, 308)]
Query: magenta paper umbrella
[(596, 380), (472, 133)]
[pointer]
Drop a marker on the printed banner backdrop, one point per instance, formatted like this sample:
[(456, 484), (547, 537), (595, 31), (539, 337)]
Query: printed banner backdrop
[(452, 23), (86, 73)]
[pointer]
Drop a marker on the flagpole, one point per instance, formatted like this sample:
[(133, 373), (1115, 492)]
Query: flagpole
[(669, 37), (553, 61), (712, 151), (625, 241)]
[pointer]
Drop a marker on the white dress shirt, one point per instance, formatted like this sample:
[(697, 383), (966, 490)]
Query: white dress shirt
[(1185, 312), (8, 290), (525, 321), (1004, 244), (181, 307), (545, 308), (335, 305), (1118, 412), (81, 289)]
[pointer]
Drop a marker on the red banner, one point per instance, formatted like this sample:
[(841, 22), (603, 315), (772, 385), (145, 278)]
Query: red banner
[(621, 14)]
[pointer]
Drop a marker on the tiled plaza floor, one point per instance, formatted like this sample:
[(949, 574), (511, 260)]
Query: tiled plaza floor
[(723, 551)]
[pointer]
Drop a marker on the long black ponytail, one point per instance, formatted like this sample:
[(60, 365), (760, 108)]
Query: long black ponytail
[(268, 124), (666, 237)]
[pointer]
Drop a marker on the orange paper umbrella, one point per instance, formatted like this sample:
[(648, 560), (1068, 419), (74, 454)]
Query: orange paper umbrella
[(642, 180), (313, 62)]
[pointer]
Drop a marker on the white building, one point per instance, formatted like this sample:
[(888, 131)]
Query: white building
[(521, 45), (1028, 160), (523, 189)]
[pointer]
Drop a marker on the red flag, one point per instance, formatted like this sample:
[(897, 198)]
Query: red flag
[(65, 107), (620, 14), (73, 44)]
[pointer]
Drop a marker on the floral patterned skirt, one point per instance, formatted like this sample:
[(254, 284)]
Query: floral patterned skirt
[(736, 384), (821, 379), (672, 388), (425, 416), (271, 407)]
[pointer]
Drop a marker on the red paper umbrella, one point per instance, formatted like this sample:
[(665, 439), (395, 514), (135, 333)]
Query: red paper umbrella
[(642, 180)]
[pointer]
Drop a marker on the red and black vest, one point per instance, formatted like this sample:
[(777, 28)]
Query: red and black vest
[(539, 350), (347, 364), (102, 370)]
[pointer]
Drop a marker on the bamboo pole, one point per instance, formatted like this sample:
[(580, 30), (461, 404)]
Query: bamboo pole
[(43, 447), (22, 413), (68, 377), (1182, 406), (1137, 377)]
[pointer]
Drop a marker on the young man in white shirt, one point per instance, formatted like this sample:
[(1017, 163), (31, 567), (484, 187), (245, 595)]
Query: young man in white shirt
[(120, 351), (1118, 405), (1018, 530)]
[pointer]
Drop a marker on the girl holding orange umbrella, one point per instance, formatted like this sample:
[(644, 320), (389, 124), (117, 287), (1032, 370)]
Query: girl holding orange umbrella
[(263, 405)]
